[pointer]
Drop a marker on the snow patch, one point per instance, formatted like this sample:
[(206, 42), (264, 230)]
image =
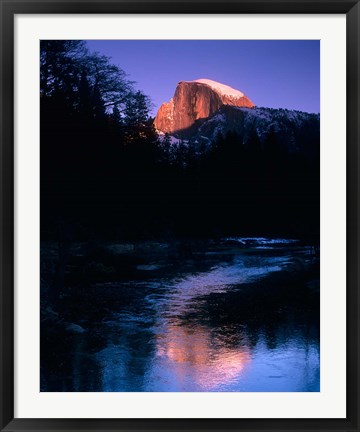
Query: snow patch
[(223, 89), (261, 241)]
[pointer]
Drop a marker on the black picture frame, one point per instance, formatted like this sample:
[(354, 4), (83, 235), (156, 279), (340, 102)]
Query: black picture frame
[(8, 10)]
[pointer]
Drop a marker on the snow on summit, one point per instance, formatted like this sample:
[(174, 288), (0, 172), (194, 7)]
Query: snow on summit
[(220, 88)]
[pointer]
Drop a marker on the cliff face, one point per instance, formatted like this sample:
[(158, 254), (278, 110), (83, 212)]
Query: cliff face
[(195, 100)]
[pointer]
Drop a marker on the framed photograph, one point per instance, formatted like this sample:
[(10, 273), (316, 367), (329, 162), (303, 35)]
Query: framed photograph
[(179, 215)]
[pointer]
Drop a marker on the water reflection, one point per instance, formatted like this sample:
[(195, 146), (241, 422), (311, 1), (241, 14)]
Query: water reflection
[(195, 360)]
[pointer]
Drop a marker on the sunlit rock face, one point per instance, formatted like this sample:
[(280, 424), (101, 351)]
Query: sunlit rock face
[(195, 100)]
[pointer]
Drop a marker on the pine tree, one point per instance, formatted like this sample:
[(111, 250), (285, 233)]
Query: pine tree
[(116, 115), (136, 118), (98, 108), (85, 105)]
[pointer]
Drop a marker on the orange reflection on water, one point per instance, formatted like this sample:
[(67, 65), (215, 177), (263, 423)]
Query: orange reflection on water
[(194, 355)]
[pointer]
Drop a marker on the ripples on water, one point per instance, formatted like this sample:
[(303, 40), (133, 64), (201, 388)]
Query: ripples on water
[(186, 333)]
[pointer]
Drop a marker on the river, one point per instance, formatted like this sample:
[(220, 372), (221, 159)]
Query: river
[(241, 318)]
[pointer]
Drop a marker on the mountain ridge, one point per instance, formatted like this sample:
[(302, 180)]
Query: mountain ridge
[(194, 100), (294, 131)]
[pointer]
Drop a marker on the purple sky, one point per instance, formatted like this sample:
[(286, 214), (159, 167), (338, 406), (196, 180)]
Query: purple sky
[(277, 74)]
